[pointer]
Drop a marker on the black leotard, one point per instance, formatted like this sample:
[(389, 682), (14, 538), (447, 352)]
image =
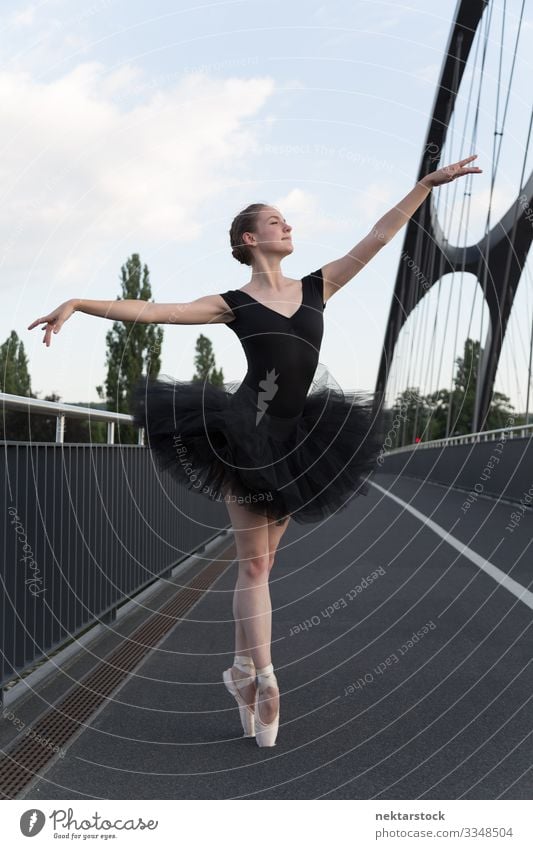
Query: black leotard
[(282, 353), (277, 444)]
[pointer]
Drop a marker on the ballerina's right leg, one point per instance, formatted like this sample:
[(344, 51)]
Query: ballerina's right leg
[(252, 608)]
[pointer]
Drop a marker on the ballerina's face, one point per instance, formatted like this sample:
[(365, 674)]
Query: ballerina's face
[(272, 233)]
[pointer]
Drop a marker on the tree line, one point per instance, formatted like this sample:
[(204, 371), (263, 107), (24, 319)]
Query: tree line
[(443, 413)]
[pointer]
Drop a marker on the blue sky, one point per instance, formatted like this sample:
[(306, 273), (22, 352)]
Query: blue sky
[(144, 127)]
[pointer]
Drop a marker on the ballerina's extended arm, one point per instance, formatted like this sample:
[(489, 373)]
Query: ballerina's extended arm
[(337, 273), (209, 309)]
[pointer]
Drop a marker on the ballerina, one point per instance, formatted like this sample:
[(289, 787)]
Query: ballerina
[(272, 449)]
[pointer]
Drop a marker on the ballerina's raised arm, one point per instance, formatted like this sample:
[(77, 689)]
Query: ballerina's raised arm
[(339, 272)]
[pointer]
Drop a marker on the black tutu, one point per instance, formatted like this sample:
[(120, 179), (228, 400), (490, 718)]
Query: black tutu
[(211, 441)]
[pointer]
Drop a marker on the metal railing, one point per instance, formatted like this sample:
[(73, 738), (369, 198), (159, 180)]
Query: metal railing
[(495, 464), (86, 526), (63, 411), (516, 432)]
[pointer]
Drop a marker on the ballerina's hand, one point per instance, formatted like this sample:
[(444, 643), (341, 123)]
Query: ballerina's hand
[(54, 321), (451, 172)]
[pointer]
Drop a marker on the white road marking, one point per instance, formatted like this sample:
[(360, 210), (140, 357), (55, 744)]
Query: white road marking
[(489, 568)]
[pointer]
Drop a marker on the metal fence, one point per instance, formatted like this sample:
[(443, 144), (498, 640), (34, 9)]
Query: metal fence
[(515, 432), (62, 412), (85, 527), (500, 467)]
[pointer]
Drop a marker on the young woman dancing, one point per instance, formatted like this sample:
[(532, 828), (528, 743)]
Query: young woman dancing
[(282, 444)]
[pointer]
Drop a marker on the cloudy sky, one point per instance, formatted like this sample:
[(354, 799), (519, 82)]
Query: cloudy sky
[(130, 126)]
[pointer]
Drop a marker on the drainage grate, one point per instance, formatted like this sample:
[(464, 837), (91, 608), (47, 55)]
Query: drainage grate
[(20, 766)]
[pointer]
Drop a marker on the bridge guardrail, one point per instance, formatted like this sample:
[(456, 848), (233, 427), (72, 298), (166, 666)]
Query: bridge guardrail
[(86, 526)]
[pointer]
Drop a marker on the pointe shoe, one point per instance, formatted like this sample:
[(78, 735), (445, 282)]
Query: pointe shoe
[(233, 685), (265, 733)]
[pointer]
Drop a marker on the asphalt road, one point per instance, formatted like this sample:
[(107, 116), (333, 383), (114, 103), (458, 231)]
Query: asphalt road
[(404, 668)]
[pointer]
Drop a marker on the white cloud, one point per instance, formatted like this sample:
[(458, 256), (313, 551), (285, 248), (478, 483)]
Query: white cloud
[(82, 168), (377, 198), (25, 17), (302, 210), (305, 212)]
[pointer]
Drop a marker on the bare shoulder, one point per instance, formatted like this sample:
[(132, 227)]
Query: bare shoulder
[(223, 313), (209, 309)]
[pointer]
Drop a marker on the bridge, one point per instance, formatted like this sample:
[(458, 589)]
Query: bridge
[(401, 625)]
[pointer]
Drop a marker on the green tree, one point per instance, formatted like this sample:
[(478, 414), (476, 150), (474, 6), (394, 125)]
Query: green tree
[(204, 362), (430, 417), (14, 376), (464, 396), (408, 417), (133, 348), (15, 380), (438, 402), (500, 410), (24, 426)]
